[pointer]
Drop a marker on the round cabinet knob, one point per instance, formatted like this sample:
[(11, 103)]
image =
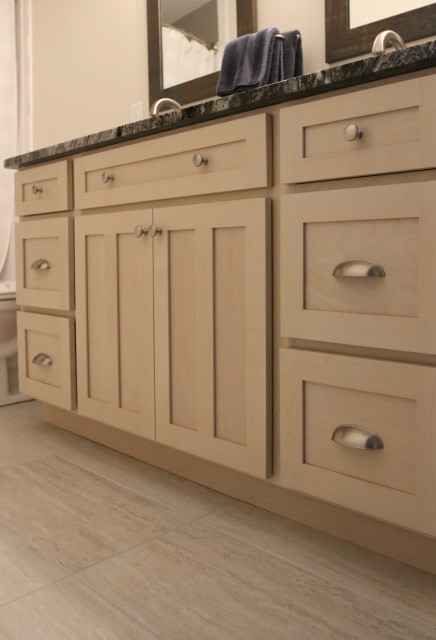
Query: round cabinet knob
[(199, 159), (139, 231), (154, 231), (107, 177), (36, 189), (352, 132)]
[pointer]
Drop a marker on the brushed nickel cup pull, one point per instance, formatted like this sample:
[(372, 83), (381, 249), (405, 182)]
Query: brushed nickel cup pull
[(352, 132), (359, 269), (154, 231), (41, 265), (139, 231), (350, 435), (199, 159), (107, 177), (42, 359), (36, 189)]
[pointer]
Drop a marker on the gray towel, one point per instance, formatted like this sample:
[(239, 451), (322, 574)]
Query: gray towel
[(248, 62), (292, 55)]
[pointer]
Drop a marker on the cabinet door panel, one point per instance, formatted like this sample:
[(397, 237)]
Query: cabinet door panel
[(115, 321), (212, 332)]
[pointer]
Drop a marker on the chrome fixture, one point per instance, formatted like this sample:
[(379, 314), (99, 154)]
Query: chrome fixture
[(43, 360), (359, 269), (154, 231), (387, 39), (41, 264), (198, 159), (139, 231), (352, 132), (350, 435), (107, 177), (36, 189), (164, 104)]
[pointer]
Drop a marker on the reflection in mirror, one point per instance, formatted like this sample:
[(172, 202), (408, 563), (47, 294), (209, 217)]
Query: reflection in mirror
[(165, 83), (371, 10), (194, 34)]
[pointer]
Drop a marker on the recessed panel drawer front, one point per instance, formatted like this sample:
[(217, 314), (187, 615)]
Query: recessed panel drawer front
[(45, 263), (357, 267), (228, 156), (46, 358), (379, 130), (47, 188), (358, 432)]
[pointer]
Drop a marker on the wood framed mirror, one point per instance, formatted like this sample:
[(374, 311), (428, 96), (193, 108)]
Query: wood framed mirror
[(199, 88), (342, 42)]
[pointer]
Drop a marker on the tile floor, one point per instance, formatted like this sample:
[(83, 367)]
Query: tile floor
[(96, 545)]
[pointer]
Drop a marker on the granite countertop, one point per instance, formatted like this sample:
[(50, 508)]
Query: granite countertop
[(415, 58)]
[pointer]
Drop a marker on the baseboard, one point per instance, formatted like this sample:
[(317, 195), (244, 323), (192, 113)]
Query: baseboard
[(400, 544)]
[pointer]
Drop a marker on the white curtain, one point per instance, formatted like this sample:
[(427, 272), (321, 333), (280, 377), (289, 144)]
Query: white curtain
[(183, 59), (8, 121)]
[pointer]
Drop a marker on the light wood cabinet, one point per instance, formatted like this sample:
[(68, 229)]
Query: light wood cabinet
[(114, 318), (210, 344), (395, 401), (212, 327), (44, 189)]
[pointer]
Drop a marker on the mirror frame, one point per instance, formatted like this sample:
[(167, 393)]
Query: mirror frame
[(343, 42), (199, 88)]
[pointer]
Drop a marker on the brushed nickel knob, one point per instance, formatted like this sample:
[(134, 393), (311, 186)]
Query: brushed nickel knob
[(106, 177), (41, 265), (154, 231), (352, 132), (43, 359), (139, 231), (199, 159), (36, 189)]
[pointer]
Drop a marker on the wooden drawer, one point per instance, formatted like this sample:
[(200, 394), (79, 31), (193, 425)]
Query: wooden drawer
[(51, 338), (45, 263), (397, 125), (44, 189), (393, 226), (396, 401), (237, 156)]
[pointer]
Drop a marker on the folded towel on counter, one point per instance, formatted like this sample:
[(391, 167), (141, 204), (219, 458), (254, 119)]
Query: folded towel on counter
[(257, 59), (292, 54), (248, 62)]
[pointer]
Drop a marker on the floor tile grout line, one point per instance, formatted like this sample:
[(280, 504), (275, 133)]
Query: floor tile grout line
[(117, 607), (33, 591), (317, 574)]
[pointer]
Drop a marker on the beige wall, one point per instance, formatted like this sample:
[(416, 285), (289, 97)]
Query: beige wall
[(90, 59), (89, 66)]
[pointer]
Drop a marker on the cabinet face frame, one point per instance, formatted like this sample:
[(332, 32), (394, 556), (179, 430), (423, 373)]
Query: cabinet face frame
[(253, 456), (102, 284), (415, 510), (404, 201)]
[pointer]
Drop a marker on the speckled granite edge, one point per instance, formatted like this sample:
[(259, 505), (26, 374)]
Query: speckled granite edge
[(421, 56)]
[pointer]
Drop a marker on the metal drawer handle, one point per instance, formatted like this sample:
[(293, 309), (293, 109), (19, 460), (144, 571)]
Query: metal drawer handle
[(43, 360), (352, 132), (359, 269), (107, 177), (349, 435), (154, 231), (41, 264), (139, 231), (199, 159), (36, 189)]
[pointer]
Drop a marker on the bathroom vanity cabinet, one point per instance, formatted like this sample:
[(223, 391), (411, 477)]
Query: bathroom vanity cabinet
[(252, 305)]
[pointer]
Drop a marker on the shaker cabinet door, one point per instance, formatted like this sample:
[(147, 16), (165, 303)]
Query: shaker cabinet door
[(114, 283), (212, 332)]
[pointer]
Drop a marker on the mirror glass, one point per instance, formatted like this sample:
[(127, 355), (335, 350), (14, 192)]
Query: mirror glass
[(194, 34), (372, 10)]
